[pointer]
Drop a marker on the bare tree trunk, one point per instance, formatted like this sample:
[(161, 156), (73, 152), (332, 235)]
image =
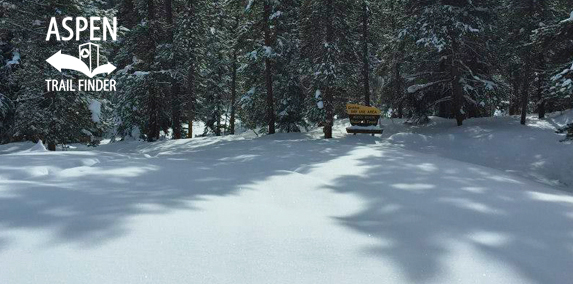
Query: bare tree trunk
[(175, 96), (524, 103), (152, 102), (218, 123), (365, 59), (540, 82), (52, 146), (153, 129), (528, 61), (514, 101), (176, 109), (457, 99), (398, 92), (328, 96), (233, 94), (190, 100), (397, 97), (234, 83), (268, 70), (191, 97), (219, 94), (525, 90)]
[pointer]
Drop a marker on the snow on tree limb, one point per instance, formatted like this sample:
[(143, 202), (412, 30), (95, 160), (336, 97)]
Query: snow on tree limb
[(419, 87)]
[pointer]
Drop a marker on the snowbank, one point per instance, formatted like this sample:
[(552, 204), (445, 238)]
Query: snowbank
[(15, 147), (39, 147), (370, 127), (288, 208), (533, 151)]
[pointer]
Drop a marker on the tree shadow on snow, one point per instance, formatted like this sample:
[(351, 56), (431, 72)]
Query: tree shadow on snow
[(86, 198), (421, 211)]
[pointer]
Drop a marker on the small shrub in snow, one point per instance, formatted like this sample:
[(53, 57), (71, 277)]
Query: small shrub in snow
[(567, 129)]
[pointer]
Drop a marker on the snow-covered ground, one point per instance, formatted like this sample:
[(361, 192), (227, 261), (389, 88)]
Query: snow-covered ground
[(290, 208), (533, 151)]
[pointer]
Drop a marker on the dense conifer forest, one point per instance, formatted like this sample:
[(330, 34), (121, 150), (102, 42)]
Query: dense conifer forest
[(283, 66)]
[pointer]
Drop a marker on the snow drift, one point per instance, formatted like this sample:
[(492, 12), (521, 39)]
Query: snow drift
[(290, 208)]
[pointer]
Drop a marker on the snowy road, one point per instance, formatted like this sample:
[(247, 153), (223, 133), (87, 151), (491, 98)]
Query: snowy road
[(287, 209)]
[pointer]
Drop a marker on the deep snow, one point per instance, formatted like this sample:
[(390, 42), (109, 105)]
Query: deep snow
[(290, 208), (533, 151)]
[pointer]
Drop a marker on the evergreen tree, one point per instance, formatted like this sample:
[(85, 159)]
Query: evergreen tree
[(553, 40), (284, 65), (31, 111), (142, 99), (271, 51), (390, 21), (329, 45), (216, 69), (453, 63), (190, 46)]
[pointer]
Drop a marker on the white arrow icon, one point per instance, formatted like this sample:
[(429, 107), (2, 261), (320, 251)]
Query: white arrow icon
[(63, 61)]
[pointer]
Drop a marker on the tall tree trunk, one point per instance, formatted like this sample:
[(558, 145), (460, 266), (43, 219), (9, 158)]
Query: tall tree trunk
[(51, 146), (514, 101), (268, 70), (365, 57), (540, 83), (219, 94), (176, 109), (153, 128), (175, 96), (328, 96), (234, 81), (525, 89), (218, 122), (528, 61), (457, 91), (233, 94), (398, 92), (152, 101), (457, 96), (190, 99), (401, 109), (526, 85), (397, 98)]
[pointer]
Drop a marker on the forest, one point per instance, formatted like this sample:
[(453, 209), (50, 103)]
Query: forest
[(283, 65), (286, 141)]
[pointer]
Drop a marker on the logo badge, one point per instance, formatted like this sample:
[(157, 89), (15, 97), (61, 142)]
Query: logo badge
[(86, 53), (88, 60)]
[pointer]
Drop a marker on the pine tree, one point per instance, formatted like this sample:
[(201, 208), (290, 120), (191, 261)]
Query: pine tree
[(32, 111), (270, 39), (235, 44), (170, 67), (216, 72), (190, 45), (330, 49), (143, 101), (553, 40), (454, 36), (366, 51), (390, 19)]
